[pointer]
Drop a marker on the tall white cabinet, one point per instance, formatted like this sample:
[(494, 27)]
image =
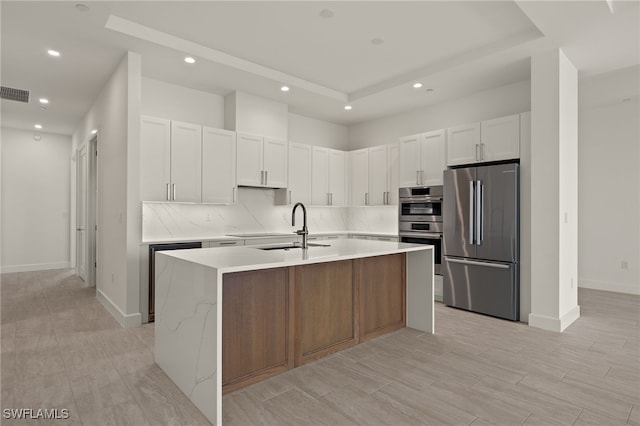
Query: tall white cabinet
[(261, 161), (218, 166)]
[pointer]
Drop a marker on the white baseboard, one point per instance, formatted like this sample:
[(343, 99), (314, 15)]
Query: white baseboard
[(35, 267), (126, 321), (552, 323), (609, 286)]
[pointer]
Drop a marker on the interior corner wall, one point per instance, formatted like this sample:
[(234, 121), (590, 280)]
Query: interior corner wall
[(35, 201), (312, 131), (492, 103), (173, 102), (609, 163), (110, 115)]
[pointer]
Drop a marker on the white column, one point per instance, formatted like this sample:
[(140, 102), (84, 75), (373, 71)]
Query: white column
[(554, 189)]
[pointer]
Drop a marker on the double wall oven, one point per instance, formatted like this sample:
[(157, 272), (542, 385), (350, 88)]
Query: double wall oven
[(420, 218)]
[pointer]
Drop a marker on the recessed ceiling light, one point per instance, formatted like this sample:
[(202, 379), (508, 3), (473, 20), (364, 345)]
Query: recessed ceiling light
[(326, 13), (94, 131), (82, 7), (347, 107), (285, 88), (189, 60), (429, 90), (38, 126), (53, 52), (417, 85), (626, 100), (44, 101), (377, 41)]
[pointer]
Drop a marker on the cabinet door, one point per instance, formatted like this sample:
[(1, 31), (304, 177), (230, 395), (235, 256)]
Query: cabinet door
[(433, 157), (275, 163), (463, 144), (500, 138), (320, 177), (155, 159), (338, 177), (299, 173), (392, 174), (359, 177), (218, 166), (378, 175), (186, 162), (249, 160), (409, 161)]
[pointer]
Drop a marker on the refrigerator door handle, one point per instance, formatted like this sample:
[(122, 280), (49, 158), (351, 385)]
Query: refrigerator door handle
[(479, 212), (476, 263), (472, 208)]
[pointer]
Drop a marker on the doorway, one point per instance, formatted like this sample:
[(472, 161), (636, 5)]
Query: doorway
[(86, 212)]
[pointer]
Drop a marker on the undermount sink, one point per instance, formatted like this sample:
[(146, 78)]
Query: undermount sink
[(292, 246)]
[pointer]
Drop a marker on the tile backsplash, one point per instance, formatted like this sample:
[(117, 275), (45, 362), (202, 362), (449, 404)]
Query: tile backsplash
[(254, 212)]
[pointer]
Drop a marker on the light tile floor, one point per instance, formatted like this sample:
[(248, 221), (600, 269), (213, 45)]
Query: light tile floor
[(62, 349)]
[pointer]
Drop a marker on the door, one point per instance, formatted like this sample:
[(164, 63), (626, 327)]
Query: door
[(300, 173), (81, 214), (218, 166), (463, 143), (155, 159), (186, 162), (338, 177), (360, 177), (250, 170), (433, 155), (378, 175), (501, 138), (320, 176), (275, 163), (409, 161), (457, 212), (498, 210)]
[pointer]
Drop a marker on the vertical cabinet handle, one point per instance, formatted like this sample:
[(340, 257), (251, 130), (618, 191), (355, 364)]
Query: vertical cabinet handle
[(417, 177), (266, 176), (233, 194), (261, 177), (479, 211), (174, 191), (366, 198), (289, 201), (477, 156), (421, 177), (472, 208), (482, 151), (168, 193)]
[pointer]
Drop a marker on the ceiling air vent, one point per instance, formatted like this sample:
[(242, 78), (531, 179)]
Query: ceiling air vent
[(14, 94)]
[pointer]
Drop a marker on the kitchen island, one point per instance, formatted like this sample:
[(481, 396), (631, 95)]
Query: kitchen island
[(281, 308)]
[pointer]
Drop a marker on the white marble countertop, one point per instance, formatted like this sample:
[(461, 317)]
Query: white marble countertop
[(248, 258), (249, 236)]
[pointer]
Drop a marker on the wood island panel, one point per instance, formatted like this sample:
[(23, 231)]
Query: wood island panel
[(381, 283), (255, 326), (326, 310)]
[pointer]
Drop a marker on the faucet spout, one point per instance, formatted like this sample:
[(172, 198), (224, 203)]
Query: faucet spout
[(304, 231)]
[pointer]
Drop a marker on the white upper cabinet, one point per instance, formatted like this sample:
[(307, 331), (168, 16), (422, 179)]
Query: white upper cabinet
[(328, 181), (218, 166), (299, 189), (489, 140), (275, 163), (500, 138), (249, 160), (155, 159), (433, 157), (378, 176), (359, 177), (186, 162), (422, 159), (261, 161), (463, 144)]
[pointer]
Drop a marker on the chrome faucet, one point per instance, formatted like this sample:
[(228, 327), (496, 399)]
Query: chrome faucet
[(304, 231)]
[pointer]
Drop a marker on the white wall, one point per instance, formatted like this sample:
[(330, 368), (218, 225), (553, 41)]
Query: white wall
[(312, 131), (35, 201), (252, 114), (609, 183), (165, 100), (505, 100), (116, 116)]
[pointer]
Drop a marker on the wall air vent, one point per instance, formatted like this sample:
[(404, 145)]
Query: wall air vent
[(11, 94)]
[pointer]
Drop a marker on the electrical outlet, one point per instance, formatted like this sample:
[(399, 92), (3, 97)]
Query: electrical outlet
[(624, 265)]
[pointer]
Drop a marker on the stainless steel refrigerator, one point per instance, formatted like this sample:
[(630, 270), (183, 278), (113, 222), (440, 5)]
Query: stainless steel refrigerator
[(481, 247)]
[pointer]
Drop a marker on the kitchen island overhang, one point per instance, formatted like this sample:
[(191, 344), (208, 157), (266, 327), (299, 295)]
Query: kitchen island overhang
[(189, 284)]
